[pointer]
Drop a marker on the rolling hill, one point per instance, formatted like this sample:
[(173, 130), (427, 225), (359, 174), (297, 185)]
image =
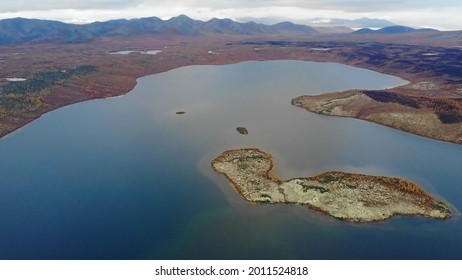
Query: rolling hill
[(395, 29)]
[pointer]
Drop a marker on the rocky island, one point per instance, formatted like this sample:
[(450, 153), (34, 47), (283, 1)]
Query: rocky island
[(346, 196), (242, 130)]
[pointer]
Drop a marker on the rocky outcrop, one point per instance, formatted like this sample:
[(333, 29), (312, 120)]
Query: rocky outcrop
[(347, 196)]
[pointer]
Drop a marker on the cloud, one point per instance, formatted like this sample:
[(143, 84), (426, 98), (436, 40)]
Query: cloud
[(436, 13), (9, 6), (13, 6)]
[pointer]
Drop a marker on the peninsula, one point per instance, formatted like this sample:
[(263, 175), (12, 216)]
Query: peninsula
[(346, 196), (432, 117)]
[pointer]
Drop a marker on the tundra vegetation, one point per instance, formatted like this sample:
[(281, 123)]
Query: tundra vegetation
[(346, 196)]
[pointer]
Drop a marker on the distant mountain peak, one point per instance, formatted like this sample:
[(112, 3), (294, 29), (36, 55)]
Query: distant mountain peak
[(290, 26), (395, 29), (182, 18)]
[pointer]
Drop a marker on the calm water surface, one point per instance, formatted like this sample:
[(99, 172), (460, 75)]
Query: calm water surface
[(127, 178)]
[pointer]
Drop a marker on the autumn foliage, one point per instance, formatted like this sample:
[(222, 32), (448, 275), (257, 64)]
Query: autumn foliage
[(448, 110)]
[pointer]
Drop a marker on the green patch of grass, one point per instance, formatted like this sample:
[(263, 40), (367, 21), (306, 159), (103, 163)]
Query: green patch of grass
[(441, 206), (351, 186), (315, 188), (255, 157), (329, 178), (247, 158)]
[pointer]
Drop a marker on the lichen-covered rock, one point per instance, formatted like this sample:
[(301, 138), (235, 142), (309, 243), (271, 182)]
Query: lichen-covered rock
[(353, 197)]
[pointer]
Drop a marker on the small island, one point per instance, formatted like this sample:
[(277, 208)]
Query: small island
[(346, 196), (242, 130)]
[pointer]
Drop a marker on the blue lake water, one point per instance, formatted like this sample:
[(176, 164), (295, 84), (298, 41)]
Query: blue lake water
[(127, 178)]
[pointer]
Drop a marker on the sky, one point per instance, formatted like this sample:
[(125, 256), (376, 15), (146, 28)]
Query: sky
[(440, 14)]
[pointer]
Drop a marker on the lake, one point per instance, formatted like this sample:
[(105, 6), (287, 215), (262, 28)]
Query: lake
[(128, 178)]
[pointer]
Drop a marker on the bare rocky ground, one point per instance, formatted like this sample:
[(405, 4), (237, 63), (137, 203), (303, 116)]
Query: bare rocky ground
[(346, 196)]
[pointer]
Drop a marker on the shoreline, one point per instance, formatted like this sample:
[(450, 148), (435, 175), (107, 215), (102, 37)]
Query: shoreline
[(36, 114), (31, 116), (118, 75)]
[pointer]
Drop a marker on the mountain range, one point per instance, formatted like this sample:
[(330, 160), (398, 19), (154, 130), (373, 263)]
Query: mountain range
[(20, 30), (26, 31)]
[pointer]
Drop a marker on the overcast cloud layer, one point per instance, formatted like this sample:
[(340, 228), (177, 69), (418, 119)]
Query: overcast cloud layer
[(442, 14)]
